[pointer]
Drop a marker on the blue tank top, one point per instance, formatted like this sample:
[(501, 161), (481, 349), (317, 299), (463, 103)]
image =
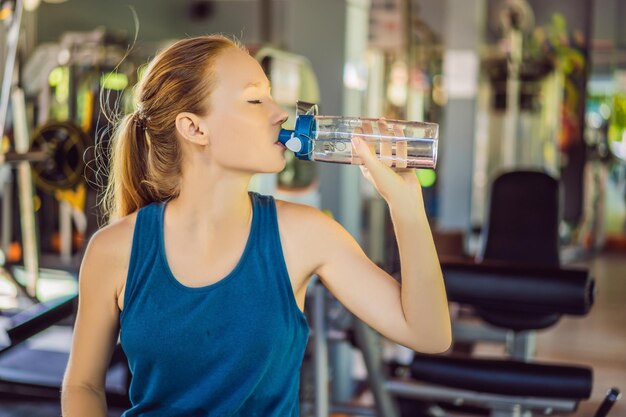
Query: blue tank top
[(232, 348)]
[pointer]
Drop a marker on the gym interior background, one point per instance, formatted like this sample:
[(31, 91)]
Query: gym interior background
[(527, 203)]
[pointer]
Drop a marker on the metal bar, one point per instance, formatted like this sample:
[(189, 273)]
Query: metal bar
[(420, 391), (352, 410), (506, 411), (367, 341), (65, 231), (7, 208), (376, 230), (30, 249), (320, 354), (521, 345), (509, 141), (9, 66), (15, 157), (609, 401), (468, 332)]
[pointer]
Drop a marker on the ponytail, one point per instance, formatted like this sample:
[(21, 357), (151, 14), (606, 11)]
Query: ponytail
[(128, 171)]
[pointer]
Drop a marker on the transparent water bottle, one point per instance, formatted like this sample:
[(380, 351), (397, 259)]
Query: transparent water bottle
[(396, 143)]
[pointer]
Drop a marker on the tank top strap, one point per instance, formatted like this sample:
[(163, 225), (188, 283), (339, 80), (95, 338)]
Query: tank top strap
[(265, 208), (272, 252), (262, 209)]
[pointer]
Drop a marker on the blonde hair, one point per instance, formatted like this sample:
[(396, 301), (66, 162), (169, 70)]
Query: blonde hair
[(146, 157)]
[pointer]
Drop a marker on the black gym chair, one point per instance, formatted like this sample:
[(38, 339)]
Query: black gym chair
[(522, 228), (503, 387), (523, 220)]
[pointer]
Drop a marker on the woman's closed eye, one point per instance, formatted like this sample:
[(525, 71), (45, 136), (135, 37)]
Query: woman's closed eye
[(255, 101)]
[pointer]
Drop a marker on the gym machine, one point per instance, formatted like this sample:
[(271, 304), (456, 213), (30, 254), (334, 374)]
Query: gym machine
[(521, 299), (515, 297), (55, 160), (35, 373), (517, 286)]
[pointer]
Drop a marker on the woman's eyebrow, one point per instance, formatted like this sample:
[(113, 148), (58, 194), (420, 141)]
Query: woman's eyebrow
[(257, 84)]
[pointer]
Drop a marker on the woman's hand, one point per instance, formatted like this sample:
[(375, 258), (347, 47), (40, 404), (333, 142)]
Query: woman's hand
[(393, 184)]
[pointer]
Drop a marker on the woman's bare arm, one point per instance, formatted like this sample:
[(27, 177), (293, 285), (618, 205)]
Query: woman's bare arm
[(96, 329), (413, 313)]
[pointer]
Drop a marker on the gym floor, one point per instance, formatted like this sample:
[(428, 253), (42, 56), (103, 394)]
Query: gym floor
[(597, 340)]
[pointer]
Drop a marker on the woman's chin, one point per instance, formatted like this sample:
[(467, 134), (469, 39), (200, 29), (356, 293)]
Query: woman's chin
[(280, 167), (275, 168)]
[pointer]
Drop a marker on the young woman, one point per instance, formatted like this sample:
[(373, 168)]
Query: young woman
[(204, 281)]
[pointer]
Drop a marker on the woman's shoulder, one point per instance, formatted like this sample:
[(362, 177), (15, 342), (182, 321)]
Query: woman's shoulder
[(289, 211), (303, 220), (116, 236), (295, 211), (109, 250)]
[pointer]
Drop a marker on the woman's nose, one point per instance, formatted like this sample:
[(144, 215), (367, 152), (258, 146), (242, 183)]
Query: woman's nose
[(283, 117)]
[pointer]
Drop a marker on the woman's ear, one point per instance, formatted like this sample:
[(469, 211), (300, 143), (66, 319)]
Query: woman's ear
[(192, 128)]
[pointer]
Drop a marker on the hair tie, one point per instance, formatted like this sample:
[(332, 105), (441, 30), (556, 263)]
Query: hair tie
[(140, 120)]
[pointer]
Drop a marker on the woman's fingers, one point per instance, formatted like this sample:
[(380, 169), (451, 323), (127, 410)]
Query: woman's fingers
[(401, 147), (387, 181), (356, 138), (366, 154), (386, 145)]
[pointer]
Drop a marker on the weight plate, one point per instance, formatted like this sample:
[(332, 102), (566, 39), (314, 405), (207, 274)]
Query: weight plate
[(66, 144)]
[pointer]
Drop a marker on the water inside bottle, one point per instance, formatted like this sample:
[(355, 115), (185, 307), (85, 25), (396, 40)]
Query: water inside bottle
[(413, 153)]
